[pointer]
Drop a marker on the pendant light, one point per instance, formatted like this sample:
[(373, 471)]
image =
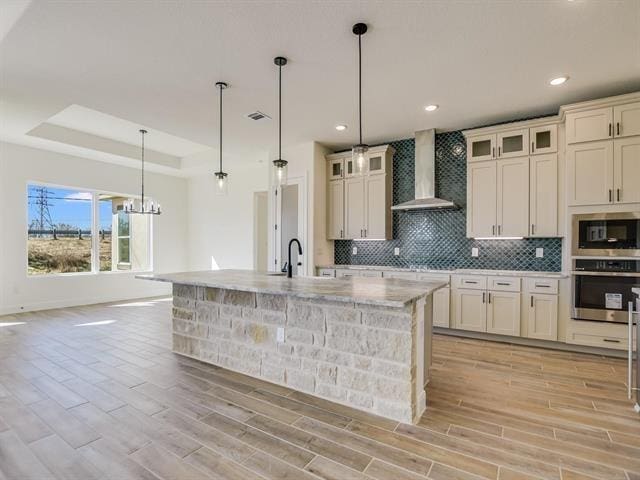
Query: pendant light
[(279, 165), (222, 184), (359, 151), (142, 206)]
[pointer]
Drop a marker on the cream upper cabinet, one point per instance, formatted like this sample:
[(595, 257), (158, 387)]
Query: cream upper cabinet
[(543, 195), (481, 195), (470, 311), (590, 173), (626, 170), (543, 139), (503, 313), (589, 125), (375, 163), (335, 210), (626, 119), (542, 316), (376, 211), (354, 207), (513, 197), (336, 168), (481, 147), (513, 143)]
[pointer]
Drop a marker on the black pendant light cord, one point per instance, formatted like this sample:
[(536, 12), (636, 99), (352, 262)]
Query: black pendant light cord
[(279, 112), (220, 87), (360, 84), (142, 132)]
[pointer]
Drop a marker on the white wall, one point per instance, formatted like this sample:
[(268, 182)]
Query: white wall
[(18, 292), (221, 227)]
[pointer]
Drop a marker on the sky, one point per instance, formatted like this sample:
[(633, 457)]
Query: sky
[(68, 206)]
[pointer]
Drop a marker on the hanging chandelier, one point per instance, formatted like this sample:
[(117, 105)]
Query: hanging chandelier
[(359, 151), (279, 165), (222, 184), (142, 206)]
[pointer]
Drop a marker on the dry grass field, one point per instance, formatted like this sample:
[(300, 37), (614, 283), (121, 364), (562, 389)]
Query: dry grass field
[(65, 255)]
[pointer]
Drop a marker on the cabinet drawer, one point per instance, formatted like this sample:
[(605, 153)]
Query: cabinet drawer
[(541, 285), (433, 277), (598, 334), (371, 273), (473, 282), (504, 284), (401, 275), (326, 272), (609, 341), (347, 273)]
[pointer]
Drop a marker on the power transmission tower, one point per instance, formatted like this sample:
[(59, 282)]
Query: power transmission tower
[(41, 201)]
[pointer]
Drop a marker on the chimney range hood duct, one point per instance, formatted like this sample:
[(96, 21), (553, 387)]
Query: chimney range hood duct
[(425, 176)]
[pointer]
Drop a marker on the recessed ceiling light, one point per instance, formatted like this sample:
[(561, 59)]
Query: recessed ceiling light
[(558, 81), (431, 108), (341, 128)]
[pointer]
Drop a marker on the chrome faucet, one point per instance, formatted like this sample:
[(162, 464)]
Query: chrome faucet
[(289, 265)]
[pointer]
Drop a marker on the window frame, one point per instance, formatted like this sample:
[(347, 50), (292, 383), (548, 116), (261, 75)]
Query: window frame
[(95, 233)]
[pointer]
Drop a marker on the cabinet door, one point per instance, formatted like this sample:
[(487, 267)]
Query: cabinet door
[(626, 119), (335, 226), (590, 173), (481, 199), (349, 170), (482, 147), (503, 313), (590, 125), (543, 139), (354, 207), (376, 163), (542, 320), (513, 197), (626, 170), (514, 143), (336, 167), (543, 198), (375, 213), (441, 307), (470, 310)]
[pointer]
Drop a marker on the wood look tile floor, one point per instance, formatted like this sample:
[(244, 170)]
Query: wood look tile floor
[(95, 393)]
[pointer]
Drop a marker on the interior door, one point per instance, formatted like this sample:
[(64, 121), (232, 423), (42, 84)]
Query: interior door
[(481, 199), (503, 313), (543, 202), (626, 170), (590, 173), (375, 207), (354, 205), (513, 197), (470, 310), (335, 227), (626, 119), (590, 125)]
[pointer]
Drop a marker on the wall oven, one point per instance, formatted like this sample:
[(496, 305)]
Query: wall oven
[(602, 288), (606, 234)]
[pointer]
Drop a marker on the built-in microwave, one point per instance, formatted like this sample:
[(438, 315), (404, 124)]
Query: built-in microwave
[(606, 234)]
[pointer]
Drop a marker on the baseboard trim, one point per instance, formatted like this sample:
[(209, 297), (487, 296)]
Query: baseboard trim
[(531, 342)]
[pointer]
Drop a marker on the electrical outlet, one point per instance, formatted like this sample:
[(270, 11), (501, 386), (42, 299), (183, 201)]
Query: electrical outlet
[(539, 252), (355, 250), (280, 335), (396, 251), (474, 252)]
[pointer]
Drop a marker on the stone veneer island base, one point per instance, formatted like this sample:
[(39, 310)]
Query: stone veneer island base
[(361, 342)]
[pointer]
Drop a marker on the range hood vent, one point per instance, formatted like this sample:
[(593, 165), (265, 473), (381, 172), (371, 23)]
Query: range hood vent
[(425, 173)]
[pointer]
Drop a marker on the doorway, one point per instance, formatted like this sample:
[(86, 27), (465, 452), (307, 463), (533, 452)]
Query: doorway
[(289, 222)]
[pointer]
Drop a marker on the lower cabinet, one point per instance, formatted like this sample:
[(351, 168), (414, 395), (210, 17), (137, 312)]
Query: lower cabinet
[(542, 316), (441, 299), (503, 313), (469, 308)]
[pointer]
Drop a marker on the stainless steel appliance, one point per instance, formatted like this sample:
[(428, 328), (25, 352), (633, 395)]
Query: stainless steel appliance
[(633, 368), (601, 288), (606, 234)]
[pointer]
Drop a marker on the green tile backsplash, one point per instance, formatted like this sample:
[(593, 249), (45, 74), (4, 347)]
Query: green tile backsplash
[(436, 238)]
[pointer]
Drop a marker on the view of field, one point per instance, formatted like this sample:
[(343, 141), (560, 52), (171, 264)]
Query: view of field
[(65, 255)]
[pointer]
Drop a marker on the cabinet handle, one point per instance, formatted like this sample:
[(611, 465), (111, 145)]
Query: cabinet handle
[(470, 282), (499, 228), (361, 235), (618, 194), (493, 229), (498, 151), (610, 195), (531, 301), (489, 297), (533, 147), (493, 152), (539, 285), (610, 129), (504, 284), (610, 340), (341, 235), (533, 229), (617, 128), (483, 296), (365, 233)]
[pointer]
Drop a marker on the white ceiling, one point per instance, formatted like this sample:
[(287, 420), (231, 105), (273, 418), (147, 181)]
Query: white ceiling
[(154, 64)]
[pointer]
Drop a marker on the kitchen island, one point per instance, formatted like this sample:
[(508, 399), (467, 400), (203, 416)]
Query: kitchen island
[(361, 342)]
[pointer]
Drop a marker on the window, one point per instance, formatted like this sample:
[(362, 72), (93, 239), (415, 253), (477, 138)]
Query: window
[(81, 231)]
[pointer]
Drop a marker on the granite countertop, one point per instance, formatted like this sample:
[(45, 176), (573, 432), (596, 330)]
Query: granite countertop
[(459, 271), (369, 291)]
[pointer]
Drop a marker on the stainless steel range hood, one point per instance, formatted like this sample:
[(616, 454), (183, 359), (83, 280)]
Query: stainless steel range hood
[(425, 173)]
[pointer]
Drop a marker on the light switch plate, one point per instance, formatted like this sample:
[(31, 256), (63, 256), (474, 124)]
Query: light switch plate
[(539, 252), (396, 251), (280, 335), (474, 252), (355, 250)]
